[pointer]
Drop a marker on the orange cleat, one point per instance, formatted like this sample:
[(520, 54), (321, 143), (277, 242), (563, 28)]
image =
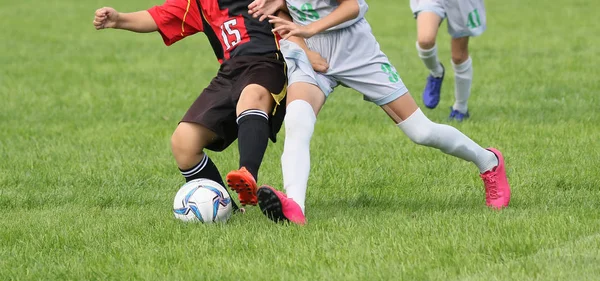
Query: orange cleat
[(242, 182)]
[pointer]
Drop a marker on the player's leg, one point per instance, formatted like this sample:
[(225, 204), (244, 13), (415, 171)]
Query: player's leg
[(304, 101), (253, 136), (254, 110), (411, 120), (427, 27), (202, 127), (463, 75), (380, 83), (429, 15), (465, 19), (187, 144)]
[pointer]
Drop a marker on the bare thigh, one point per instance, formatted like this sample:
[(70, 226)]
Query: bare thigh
[(188, 142), (428, 24)]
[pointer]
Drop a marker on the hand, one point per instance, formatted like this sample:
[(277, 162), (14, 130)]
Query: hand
[(287, 28), (106, 18), (264, 8), (318, 63)]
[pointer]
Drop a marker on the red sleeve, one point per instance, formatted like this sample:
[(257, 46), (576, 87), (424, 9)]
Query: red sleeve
[(176, 19)]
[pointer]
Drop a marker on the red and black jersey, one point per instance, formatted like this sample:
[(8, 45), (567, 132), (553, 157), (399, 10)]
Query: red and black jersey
[(230, 29)]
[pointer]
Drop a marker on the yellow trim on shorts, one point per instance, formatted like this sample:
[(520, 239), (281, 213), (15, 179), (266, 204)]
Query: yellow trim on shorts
[(279, 97)]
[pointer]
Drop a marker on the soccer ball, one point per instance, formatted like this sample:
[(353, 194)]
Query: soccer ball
[(202, 200)]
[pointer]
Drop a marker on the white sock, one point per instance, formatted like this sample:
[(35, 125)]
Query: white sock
[(463, 74), (295, 161), (447, 139), (430, 59)]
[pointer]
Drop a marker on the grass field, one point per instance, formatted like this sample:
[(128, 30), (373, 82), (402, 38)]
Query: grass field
[(87, 178)]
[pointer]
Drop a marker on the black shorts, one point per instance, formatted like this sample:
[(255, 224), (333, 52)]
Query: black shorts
[(215, 108)]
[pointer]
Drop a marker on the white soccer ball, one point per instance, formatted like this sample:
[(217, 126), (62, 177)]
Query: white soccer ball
[(202, 200)]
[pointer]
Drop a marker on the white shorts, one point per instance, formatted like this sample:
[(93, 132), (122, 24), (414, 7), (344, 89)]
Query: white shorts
[(355, 61), (465, 17)]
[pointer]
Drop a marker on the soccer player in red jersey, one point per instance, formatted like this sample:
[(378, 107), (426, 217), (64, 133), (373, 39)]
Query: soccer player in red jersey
[(240, 102)]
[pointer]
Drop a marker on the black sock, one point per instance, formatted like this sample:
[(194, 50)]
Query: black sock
[(253, 137), (206, 169)]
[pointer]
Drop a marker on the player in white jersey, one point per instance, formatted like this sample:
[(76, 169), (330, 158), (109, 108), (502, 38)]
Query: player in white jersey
[(466, 18), (355, 60)]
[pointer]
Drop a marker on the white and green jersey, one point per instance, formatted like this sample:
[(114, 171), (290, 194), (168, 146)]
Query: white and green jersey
[(305, 12)]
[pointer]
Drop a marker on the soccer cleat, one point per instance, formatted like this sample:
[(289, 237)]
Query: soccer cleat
[(457, 115), (497, 190), (431, 93), (242, 182), (278, 207)]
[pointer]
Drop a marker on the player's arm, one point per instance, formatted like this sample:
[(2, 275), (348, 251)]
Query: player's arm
[(174, 20), (108, 17), (298, 40), (347, 10), (318, 63)]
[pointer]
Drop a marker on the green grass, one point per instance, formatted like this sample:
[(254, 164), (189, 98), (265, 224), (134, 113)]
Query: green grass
[(87, 178)]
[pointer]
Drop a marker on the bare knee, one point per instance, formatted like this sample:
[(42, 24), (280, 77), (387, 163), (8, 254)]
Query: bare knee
[(460, 57), (184, 151), (428, 24), (426, 42), (460, 50), (255, 96), (307, 92), (187, 143)]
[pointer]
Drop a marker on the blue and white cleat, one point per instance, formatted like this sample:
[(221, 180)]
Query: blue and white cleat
[(457, 115), (431, 94)]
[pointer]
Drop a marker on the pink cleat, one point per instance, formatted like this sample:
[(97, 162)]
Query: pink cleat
[(278, 207), (497, 190)]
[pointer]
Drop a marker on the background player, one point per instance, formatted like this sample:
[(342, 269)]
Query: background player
[(355, 60), (240, 102), (465, 18)]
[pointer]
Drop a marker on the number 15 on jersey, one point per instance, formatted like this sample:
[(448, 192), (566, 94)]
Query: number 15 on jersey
[(231, 33)]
